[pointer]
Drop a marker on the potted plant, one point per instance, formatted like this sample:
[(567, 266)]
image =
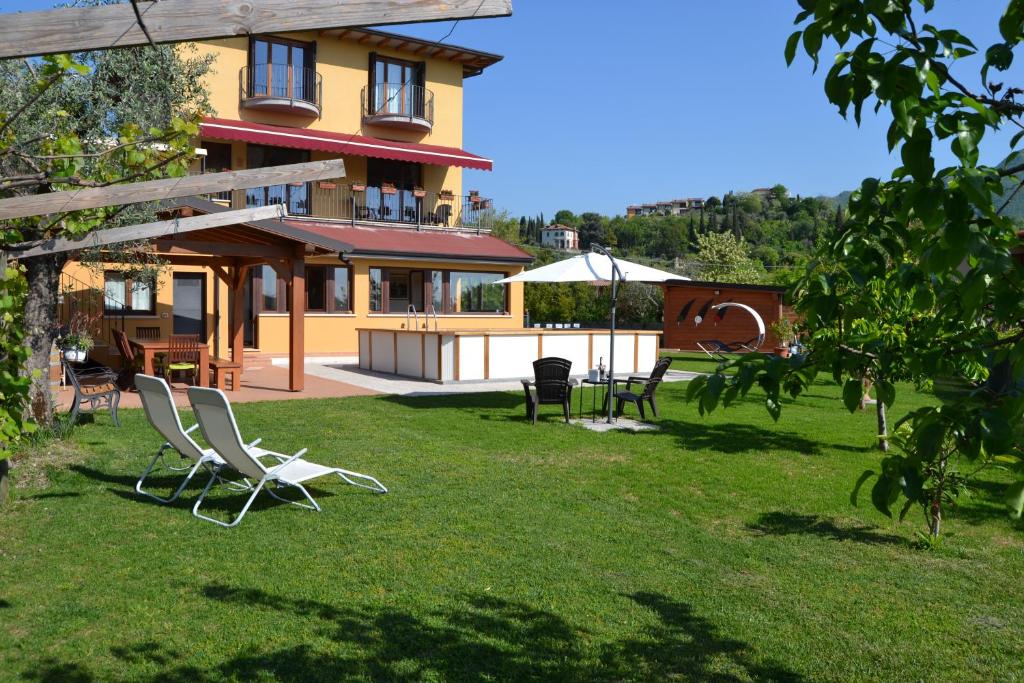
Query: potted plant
[(419, 192), (447, 195), (76, 345), (358, 187), (474, 196), (388, 188), (783, 331)]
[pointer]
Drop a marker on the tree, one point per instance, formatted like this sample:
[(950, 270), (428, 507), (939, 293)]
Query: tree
[(110, 117), (936, 234), (566, 217), (725, 258)]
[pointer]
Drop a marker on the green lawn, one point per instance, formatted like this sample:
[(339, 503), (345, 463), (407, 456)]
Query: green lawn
[(722, 549)]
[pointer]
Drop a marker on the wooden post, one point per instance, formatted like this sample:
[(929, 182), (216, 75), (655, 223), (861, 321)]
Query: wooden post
[(237, 336), (297, 322)]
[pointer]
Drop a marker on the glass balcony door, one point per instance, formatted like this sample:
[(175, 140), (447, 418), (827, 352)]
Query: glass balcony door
[(394, 87), (295, 196), (399, 206), (280, 69)]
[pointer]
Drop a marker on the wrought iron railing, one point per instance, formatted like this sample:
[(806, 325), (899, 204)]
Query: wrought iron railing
[(396, 101), (361, 203), (281, 82), (85, 305), (382, 204)]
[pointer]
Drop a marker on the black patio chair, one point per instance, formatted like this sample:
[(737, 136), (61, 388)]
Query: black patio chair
[(650, 385), (95, 386), (551, 386)]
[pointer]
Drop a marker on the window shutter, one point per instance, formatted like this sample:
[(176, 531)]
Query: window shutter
[(371, 86)]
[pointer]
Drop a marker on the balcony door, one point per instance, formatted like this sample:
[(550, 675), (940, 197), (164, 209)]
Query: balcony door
[(396, 86), (399, 207), (281, 68), (295, 196)]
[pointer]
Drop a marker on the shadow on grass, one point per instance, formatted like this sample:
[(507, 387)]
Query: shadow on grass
[(789, 523), (469, 401), (477, 638), (56, 494), (738, 438), (5, 605), (220, 499)]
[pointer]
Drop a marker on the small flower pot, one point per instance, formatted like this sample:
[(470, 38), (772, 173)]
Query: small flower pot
[(419, 192), (358, 187), (388, 189), (448, 196), (74, 355), (328, 186), (782, 351)]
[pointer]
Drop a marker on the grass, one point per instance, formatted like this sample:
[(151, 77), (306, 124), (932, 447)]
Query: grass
[(723, 549)]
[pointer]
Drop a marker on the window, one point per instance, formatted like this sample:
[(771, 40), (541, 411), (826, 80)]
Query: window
[(272, 294), (282, 68), (295, 197), (376, 290), (121, 294), (327, 289), (396, 86), (475, 293)]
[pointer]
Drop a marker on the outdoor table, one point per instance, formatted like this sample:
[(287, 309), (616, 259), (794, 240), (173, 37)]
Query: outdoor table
[(150, 347), (593, 398)]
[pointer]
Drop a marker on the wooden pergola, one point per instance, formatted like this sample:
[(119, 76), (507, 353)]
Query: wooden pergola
[(198, 232)]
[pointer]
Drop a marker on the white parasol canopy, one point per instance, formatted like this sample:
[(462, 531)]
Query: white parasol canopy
[(593, 268)]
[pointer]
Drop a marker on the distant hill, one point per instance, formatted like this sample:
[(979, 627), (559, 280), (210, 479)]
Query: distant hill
[(1015, 209)]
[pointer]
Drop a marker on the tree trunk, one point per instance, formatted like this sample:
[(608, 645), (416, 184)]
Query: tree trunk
[(5, 480), (883, 427), (43, 276)]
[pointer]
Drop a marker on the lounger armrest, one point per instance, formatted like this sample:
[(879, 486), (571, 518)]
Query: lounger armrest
[(295, 457), (254, 443), (192, 428)]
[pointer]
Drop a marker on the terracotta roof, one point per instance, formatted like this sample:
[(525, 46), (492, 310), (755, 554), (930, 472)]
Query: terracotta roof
[(405, 242), (473, 61)]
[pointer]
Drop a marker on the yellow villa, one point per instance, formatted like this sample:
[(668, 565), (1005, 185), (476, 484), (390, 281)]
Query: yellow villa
[(398, 234)]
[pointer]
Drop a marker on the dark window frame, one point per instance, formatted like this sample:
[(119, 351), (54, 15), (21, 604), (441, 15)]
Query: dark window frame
[(129, 286), (329, 283), (309, 47), (428, 291)]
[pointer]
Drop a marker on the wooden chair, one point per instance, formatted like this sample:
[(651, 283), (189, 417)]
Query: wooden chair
[(650, 385), (551, 385), (95, 386), (152, 332), (130, 363), (182, 356)]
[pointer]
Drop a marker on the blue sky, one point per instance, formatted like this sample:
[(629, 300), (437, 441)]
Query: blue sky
[(598, 104)]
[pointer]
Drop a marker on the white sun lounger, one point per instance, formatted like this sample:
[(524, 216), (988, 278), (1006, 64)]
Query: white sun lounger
[(217, 422), (159, 406)]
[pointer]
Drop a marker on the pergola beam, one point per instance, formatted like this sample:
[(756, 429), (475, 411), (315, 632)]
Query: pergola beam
[(76, 29), (168, 188), (144, 231)]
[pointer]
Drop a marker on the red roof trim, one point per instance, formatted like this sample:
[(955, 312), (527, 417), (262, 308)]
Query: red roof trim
[(402, 242), (358, 145)]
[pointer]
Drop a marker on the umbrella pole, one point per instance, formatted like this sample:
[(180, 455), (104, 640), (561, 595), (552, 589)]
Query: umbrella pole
[(616, 276)]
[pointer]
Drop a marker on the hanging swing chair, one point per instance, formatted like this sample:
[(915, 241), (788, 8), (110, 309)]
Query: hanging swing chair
[(716, 348)]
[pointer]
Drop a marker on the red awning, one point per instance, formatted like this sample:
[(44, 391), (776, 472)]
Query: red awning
[(340, 143)]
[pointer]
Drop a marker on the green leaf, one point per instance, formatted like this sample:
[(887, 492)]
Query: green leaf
[(853, 391), (886, 392), (1000, 56), (791, 45), (881, 494), (860, 482)]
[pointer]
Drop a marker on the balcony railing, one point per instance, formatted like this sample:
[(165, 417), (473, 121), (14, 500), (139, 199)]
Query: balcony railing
[(359, 203), (281, 87), (404, 106)]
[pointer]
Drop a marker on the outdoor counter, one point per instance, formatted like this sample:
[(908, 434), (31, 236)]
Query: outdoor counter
[(466, 355)]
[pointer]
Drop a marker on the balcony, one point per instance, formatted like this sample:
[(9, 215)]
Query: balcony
[(358, 203), (399, 106), (281, 88)]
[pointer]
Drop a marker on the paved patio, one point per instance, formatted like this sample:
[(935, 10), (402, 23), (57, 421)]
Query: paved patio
[(335, 377)]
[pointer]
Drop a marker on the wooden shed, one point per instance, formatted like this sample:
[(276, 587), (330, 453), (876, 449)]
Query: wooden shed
[(690, 301)]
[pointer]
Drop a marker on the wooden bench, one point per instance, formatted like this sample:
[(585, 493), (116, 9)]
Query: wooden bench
[(222, 367)]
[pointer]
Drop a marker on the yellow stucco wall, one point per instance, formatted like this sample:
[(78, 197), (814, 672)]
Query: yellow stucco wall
[(344, 67), (325, 334)]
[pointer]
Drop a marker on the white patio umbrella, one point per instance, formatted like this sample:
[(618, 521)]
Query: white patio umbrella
[(598, 267)]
